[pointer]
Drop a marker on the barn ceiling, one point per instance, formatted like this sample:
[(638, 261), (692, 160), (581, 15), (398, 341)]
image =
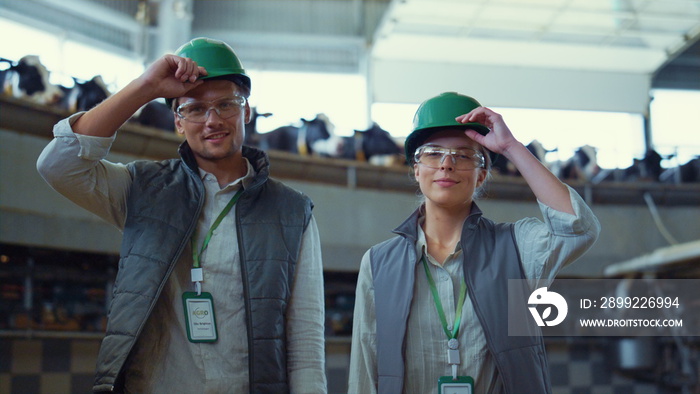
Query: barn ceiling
[(602, 55), (567, 53), (636, 36)]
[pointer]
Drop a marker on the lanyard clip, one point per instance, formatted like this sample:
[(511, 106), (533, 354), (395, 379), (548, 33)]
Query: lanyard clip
[(197, 277), (453, 359)]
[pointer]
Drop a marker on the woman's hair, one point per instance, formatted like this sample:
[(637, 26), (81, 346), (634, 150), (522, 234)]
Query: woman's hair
[(480, 192)]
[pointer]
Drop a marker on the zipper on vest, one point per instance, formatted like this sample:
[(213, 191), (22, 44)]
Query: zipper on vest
[(171, 265)]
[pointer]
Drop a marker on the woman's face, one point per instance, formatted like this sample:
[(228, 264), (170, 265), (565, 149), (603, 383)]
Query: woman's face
[(447, 186)]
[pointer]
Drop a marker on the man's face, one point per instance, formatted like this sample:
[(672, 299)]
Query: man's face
[(215, 139)]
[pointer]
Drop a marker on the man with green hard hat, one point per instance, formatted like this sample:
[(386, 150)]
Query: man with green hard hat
[(432, 304), (220, 285)]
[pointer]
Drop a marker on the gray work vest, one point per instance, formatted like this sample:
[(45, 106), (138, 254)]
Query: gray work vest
[(164, 206), (493, 259)]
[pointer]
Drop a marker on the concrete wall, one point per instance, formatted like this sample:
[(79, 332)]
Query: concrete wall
[(350, 220)]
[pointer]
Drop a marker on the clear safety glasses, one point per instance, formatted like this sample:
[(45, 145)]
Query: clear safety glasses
[(198, 111), (433, 156)]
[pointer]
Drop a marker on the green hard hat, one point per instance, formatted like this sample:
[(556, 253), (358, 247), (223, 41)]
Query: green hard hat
[(438, 113), (217, 57)]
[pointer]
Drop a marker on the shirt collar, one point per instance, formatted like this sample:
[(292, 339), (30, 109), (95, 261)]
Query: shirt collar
[(422, 243), (242, 182)]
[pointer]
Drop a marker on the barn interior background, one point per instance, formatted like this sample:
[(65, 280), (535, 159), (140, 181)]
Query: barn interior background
[(622, 77)]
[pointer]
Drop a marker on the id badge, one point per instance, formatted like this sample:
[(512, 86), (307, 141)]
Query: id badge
[(463, 385), (199, 317)]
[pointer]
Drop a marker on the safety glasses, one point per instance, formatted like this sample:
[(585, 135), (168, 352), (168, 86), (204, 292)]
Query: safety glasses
[(434, 156), (198, 111)]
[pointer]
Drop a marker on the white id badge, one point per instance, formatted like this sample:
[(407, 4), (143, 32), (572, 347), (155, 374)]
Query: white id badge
[(199, 317), (462, 385)]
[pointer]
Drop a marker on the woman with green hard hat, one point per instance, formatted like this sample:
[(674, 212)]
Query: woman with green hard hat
[(431, 309), (220, 280)]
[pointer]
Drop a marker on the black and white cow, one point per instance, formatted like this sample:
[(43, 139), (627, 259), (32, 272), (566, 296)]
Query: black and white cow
[(252, 136), (29, 79), (502, 166), (5, 76), (298, 139), (646, 169), (649, 167), (156, 114), (684, 173), (374, 145), (582, 166), (83, 95)]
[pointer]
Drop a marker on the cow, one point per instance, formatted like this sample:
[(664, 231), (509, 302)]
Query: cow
[(29, 79), (685, 173), (503, 166), (5, 76), (83, 95), (252, 137), (582, 166), (374, 145), (647, 169), (298, 139), (156, 114)]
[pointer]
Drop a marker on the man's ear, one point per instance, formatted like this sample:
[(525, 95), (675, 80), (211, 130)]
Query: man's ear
[(178, 124), (248, 112)]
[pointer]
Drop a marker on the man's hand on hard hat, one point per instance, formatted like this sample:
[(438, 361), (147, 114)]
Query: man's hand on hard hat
[(172, 76), (499, 139)]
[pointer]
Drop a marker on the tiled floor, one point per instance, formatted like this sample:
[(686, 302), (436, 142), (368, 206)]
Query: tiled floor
[(46, 366), (586, 369)]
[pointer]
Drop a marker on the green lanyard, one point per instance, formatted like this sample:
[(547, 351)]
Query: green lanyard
[(196, 256), (438, 304)]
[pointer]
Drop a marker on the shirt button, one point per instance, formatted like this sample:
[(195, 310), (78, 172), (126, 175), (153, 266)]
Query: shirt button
[(449, 328)]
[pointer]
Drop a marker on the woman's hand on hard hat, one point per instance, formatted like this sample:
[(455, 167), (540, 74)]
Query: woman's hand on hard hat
[(499, 139), (173, 76), (548, 189)]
